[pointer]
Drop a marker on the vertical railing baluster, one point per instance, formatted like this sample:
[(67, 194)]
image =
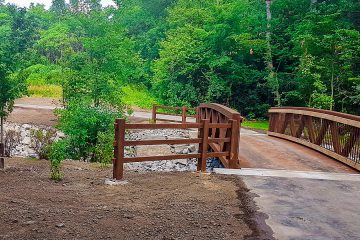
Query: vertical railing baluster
[(183, 114), (154, 109)]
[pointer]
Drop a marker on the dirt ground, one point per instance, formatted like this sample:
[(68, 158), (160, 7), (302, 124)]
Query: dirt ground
[(150, 206), (33, 116), (33, 110)]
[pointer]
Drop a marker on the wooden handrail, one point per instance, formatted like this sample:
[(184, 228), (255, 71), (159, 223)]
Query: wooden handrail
[(332, 133), (184, 113)]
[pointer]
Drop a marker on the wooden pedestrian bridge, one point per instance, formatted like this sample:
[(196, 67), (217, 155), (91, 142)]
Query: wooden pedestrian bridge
[(297, 139)]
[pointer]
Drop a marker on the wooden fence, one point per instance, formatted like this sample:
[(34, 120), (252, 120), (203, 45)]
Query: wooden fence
[(332, 133), (219, 133), (173, 111)]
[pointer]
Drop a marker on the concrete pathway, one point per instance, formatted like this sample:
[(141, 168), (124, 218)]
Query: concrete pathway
[(307, 208)]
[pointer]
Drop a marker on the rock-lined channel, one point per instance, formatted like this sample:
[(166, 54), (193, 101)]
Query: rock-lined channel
[(24, 147)]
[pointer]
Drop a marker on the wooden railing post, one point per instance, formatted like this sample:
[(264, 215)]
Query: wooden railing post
[(234, 144), (154, 109), (119, 149), (197, 114), (204, 146), (183, 114)]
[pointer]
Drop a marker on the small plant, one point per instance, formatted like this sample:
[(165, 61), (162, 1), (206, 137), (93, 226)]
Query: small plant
[(11, 140), (41, 140), (57, 154), (104, 150)]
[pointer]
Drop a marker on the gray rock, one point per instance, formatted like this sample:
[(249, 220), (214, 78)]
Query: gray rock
[(192, 148)]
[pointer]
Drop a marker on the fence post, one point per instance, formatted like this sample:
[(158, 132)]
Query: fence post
[(203, 147), (183, 114), (118, 168), (154, 113), (197, 114), (234, 145)]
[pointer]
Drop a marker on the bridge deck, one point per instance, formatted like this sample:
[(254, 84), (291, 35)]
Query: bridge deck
[(261, 151)]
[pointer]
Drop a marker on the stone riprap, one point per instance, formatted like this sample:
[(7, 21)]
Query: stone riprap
[(24, 147), (166, 165)]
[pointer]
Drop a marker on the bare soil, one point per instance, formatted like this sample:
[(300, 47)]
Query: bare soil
[(44, 117), (27, 113), (39, 101), (150, 206)]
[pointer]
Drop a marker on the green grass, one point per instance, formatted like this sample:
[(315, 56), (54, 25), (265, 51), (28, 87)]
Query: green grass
[(132, 95), (51, 91), (262, 125), (138, 96)]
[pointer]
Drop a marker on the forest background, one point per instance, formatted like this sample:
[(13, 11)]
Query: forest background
[(247, 54)]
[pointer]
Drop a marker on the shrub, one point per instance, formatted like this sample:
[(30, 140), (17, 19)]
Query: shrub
[(57, 153), (104, 150), (41, 140), (84, 125)]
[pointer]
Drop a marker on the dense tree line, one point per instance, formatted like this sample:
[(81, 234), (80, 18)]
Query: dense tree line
[(248, 54)]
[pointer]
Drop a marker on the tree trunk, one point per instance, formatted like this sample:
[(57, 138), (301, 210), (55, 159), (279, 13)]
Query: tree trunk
[(272, 79), (2, 130), (332, 86), (2, 147)]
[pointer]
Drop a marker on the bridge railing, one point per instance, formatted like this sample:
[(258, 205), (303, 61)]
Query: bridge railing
[(332, 133), (218, 136), (218, 113), (204, 140), (185, 113)]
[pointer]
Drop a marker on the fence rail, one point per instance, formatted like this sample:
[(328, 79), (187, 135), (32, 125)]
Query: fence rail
[(171, 111), (121, 126), (332, 133), (218, 136)]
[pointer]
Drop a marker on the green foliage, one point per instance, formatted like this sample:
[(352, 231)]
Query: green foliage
[(58, 152), (104, 150), (82, 125), (41, 140), (185, 52), (138, 96), (261, 125), (47, 91)]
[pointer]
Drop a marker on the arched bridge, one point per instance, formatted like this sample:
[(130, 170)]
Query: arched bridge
[(298, 138)]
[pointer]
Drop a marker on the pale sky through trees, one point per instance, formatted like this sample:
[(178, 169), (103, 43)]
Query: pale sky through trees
[(47, 3)]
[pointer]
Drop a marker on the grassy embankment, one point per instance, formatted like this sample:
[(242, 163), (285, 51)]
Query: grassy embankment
[(261, 124), (132, 95)]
